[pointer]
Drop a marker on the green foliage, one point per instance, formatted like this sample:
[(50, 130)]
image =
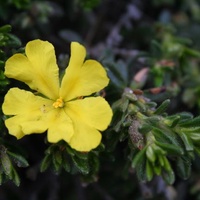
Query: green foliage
[(61, 156), (157, 140), (9, 160), (7, 40)]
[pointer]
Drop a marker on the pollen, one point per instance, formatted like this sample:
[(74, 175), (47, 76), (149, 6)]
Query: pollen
[(59, 103)]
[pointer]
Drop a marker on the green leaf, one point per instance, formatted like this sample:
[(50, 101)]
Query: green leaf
[(185, 116), (192, 133), (153, 120), (130, 96), (157, 169), (139, 157), (151, 104), (172, 121), (168, 176), (165, 136), (81, 165), (161, 159), (141, 106), (16, 178), (149, 171), (6, 164), (116, 104), (187, 141), (145, 128), (57, 161), (45, 163), (66, 163), (120, 122), (94, 163), (183, 165), (82, 155), (195, 137), (162, 108), (132, 109), (124, 105), (141, 170), (70, 151), (191, 123), (166, 165), (170, 148), (58, 157), (150, 154), (5, 29), (18, 159)]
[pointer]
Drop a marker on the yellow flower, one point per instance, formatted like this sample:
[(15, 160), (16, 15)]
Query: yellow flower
[(57, 107)]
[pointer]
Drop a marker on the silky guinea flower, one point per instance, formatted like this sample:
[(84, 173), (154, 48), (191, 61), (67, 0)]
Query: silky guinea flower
[(66, 109)]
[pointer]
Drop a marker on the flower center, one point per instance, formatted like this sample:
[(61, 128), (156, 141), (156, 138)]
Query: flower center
[(58, 103)]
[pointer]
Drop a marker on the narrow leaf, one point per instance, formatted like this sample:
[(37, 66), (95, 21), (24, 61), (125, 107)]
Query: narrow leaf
[(18, 159), (167, 165), (162, 108), (5, 28), (81, 165), (191, 123), (150, 154), (141, 170), (149, 170), (170, 148), (168, 176), (187, 141), (6, 163), (16, 178), (66, 163), (45, 163), (139, 157), (82, 155), (183, 165)]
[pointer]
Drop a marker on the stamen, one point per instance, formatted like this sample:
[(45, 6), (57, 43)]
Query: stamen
[(58, 103)]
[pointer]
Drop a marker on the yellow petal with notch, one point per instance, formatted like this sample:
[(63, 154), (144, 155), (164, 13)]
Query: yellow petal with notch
[(85, 137), (38, 69), (82, 78)]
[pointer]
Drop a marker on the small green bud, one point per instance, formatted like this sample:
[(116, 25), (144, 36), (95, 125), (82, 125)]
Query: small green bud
[(150, 154)]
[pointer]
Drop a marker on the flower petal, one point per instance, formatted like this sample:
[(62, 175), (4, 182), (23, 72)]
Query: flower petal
[(38, 69), (78, 54), (88, 115), (61, 127), (31, 112), (13, 126), (93, 111), (85, 138), (18, 102), (82, 79), (22, 125)]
